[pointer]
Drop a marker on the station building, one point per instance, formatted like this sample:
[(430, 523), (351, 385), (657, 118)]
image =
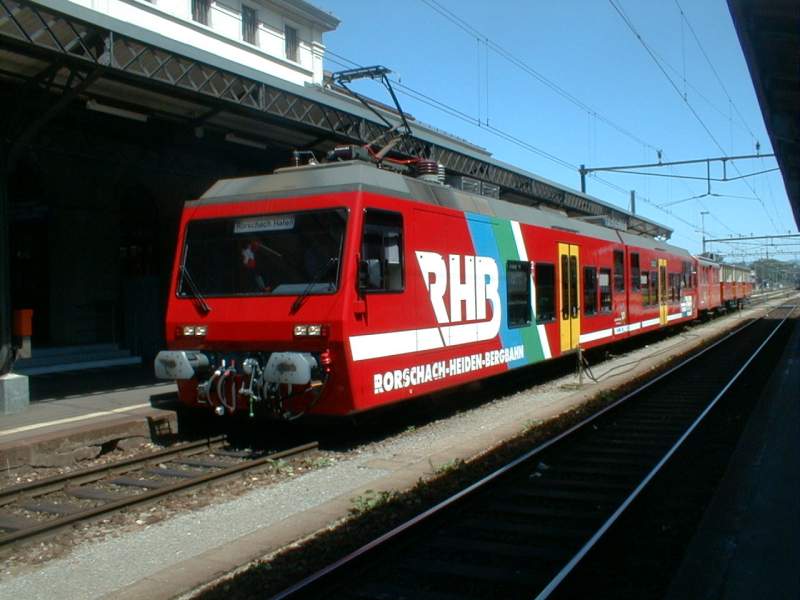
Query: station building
[(95, 194)]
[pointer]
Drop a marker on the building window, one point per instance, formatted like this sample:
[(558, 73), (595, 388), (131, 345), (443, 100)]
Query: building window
[(291, 42), (604, 281), (635, 281), (249, 24), (545, 280), (200, 11), (518, 288), (589, 290), (381, 268), (619, 271)]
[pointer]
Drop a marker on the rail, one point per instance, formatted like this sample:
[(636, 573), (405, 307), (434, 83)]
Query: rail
[(586, 477), (150, 476)]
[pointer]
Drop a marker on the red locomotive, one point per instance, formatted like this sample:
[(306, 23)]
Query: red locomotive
[(332, 289)]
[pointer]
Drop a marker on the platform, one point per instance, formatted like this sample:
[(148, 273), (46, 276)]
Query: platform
[(66, 423), (748, 543)]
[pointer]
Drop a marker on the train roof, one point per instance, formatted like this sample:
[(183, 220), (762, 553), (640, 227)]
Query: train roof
[(361, 176), (718, 262)]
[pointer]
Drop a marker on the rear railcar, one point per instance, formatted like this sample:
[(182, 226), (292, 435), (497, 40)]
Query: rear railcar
[(709, 290)]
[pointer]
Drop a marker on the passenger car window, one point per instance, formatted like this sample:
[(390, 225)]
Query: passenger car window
[(635, 274), (604, 281), (589, 290), (518, 288), (381, 267), (545, 278), (619, 271)]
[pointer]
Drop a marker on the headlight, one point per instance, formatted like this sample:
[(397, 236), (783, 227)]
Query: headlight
[(316, 330), (192, 330)]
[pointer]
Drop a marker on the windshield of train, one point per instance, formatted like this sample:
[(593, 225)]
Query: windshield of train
[(275, 254)]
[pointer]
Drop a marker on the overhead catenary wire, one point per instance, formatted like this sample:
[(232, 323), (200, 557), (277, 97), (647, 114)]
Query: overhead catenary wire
[(472, 31), (620, 11), (448, 109), (685, 19), (525, 67), (476, 121), (472, 120)]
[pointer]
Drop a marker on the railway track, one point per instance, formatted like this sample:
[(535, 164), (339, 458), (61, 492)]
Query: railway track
[(519, 532), (42, 508)]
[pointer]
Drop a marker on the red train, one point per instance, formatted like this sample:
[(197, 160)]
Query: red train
[(332, 289)]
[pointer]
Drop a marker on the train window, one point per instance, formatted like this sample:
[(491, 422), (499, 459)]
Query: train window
[(653, 288), (518, 288), (545, 280), (381, 268), (687, 274), (635, 276), (589, 290), (604, 281), (565, 299), (289, 254), (645, 283), (619, 271), (674, 287)]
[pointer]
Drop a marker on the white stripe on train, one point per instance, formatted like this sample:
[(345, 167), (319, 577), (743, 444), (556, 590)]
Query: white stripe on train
[(395, 343)]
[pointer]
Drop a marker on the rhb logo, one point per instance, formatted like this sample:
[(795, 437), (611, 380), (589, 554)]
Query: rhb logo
[(461, 290)]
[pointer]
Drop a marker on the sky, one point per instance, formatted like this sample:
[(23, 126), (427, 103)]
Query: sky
[(571, 83)]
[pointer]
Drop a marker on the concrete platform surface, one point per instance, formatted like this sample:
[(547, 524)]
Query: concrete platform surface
[(748, 543), (62, 430)]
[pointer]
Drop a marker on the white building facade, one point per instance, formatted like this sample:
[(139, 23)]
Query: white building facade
[(282, 38)]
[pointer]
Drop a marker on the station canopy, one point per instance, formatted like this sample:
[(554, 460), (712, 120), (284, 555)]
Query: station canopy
[(769, 32), (81, 55)]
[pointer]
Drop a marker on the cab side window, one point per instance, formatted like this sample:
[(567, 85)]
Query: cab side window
[(381, 268)]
